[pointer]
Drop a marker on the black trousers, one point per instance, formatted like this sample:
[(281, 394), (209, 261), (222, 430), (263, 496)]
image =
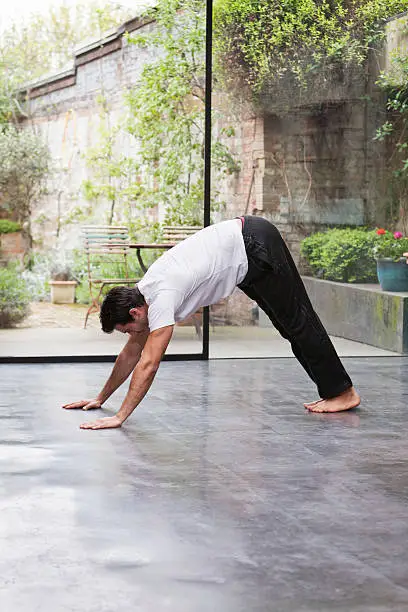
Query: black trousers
[(273, 281)]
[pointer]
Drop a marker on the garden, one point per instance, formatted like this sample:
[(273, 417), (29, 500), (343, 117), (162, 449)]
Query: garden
[(254, 45), (359, 255)]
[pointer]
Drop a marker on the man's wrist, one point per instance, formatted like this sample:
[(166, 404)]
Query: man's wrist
[(121, 418)]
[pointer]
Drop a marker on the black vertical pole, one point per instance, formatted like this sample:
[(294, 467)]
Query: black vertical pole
[(207, 152)]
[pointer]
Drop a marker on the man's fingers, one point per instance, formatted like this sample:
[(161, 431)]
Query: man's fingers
[(86, 426), (73, 405), (92, 425), (91, 405), (105, 423), (84, 404)]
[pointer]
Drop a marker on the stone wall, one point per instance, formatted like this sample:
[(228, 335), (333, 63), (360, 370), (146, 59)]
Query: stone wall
[(306, 161), (304, 169), (241, 191), (363, 313)]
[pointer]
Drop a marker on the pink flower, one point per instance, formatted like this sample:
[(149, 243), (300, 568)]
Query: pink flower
[(397, 235), (381, 231)]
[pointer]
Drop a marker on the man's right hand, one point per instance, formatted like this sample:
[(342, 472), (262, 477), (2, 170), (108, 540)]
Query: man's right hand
[(83, 404)]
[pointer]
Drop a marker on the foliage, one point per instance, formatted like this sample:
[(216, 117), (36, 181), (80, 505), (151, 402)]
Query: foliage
[(73, 264), (56, 264), (114, 175), (390, 245), (344, 255), (8, 227), (24, 165), (393, 132), (39, 44), (259, 40), (37, 274), (63, 273), (14, 296), (166, 116)]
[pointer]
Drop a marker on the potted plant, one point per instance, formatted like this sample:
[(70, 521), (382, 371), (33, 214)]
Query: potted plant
[(63, 285), (392, 268)]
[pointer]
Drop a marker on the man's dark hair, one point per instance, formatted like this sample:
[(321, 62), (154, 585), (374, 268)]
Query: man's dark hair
[(116, 305)]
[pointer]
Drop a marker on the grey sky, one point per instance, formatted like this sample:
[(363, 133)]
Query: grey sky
[(17, 9)]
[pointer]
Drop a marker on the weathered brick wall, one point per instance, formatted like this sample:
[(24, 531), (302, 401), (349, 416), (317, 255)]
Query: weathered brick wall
[(305, 169), (240, 191), (314, 170)]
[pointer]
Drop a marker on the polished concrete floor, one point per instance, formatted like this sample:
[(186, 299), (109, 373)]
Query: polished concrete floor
[(220, 494)]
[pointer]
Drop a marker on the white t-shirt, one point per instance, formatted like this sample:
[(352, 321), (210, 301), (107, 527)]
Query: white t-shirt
[(198, 271)]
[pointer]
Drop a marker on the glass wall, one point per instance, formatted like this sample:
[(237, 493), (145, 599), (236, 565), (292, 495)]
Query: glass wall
[(307, 132), (118, 141), (314, 147)]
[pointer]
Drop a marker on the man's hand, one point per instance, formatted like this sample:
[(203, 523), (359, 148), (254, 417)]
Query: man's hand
[(105, 423), (84, 404)]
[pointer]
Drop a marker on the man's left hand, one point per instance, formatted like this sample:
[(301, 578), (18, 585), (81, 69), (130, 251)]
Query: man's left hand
[(105, 423)]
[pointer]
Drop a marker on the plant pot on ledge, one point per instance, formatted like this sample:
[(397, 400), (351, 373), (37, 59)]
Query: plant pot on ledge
[(392, 275), (63, 284), (63, 292)]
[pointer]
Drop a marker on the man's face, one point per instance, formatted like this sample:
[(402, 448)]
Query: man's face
[(138, 324)]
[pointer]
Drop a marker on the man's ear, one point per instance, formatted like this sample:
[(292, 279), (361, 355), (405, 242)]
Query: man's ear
[(134, 312)]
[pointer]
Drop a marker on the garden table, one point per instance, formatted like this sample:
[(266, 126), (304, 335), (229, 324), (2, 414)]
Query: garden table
[(139, 246)]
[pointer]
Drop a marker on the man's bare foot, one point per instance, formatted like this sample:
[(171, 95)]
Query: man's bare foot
[(312, 404), (345, 401)]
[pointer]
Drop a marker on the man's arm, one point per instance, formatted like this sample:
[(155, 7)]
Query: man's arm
[(141, 380), (124, 365)]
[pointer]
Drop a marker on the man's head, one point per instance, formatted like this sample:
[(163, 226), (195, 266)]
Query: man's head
[(124, 309)]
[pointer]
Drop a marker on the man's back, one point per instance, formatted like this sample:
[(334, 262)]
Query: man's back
[(199, 271)]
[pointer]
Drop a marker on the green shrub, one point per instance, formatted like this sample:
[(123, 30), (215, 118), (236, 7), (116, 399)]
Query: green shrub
[(7, 227), (14, 297), (344, 255)]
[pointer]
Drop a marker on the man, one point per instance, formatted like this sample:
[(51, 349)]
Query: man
[(247, 252)]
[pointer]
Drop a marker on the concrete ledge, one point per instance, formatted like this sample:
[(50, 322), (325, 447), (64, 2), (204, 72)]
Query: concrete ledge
[(363, 313)]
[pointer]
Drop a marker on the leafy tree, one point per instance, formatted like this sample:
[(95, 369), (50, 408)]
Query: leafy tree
[(165, 120), (166, 114), (31, 48), (114, 178), (24, 164)]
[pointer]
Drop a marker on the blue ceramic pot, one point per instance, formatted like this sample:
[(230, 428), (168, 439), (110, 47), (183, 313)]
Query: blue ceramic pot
[(392, 275)]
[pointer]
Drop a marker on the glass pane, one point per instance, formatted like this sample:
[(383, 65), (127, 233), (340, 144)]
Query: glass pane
[(116, 140), (312, 136)]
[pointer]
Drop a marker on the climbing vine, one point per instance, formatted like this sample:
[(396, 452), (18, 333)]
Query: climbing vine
[(393, 132), (259, 42)]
